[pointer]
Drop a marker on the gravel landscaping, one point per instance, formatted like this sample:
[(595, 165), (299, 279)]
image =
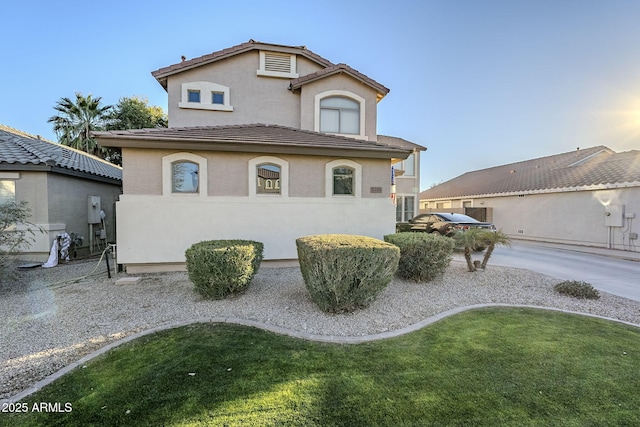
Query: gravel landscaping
[(49, 322)]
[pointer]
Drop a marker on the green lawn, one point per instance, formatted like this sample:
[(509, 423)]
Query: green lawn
[(489, 367)]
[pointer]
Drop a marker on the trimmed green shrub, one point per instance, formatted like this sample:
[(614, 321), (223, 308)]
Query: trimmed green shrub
[(423, 257), (219, 268), (577, 289), (344, 272)]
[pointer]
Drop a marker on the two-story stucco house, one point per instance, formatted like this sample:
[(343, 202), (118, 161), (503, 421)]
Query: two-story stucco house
[(265, 142)]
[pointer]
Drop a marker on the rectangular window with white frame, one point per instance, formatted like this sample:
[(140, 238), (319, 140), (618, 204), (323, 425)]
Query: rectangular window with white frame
[(405, 208)]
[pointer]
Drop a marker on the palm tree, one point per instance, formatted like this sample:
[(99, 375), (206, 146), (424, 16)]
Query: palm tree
[(476, 239), (76, 120), (469, 242), (493, 239)]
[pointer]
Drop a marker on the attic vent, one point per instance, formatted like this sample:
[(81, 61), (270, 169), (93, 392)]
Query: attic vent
[(66, 154), (277, 62)]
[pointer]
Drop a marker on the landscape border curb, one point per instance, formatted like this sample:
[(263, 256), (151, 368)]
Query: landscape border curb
[(288, 332)]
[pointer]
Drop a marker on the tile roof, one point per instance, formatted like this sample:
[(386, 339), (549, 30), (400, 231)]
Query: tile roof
[(594, 167), (252, 137), (162, 73), (338, 69), (329, 69), (18, 148), (394, 141)]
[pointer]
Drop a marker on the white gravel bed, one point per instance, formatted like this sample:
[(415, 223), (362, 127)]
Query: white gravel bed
[(46, 327)]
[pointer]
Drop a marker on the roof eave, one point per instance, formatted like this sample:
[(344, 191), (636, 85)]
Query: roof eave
[(233, 146), (594, 187), (381, 90), (162, 74)]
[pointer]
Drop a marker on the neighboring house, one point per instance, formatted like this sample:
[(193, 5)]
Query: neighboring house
[(265, 142), (57, 182), (586, 197)]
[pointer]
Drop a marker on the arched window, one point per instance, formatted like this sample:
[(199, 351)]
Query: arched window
[(343, 180), (184, 174), (268, 175), (184, 177), (343, 177), (339, 114)]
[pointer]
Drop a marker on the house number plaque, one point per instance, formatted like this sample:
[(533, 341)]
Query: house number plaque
[(376, 189)]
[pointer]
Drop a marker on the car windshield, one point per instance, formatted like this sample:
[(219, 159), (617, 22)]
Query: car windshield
[(454, 217)]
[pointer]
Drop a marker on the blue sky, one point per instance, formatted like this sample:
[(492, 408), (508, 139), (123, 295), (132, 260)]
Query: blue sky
[(480, 83)]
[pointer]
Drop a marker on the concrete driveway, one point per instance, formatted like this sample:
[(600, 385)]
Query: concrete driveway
[(615, 272)]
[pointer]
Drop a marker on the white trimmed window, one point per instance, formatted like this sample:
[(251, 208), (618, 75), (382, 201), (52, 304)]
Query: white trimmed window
[(340, 112), (268, 176), (405, 208), (277, 64), (205, 96), (184, 174), (343, 178)]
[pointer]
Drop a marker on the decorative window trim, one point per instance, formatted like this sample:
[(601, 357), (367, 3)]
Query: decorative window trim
[(167, 174), (206, 90), (264, 71), (328, 178), (345, 94), (284, 175)]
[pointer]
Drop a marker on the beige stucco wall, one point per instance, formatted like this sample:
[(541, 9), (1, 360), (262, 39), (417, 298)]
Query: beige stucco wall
[(260, 99), (68, 204), (155, 231), (255, 99), (338, 82), (228, 173), (573, 217), (58, 204)]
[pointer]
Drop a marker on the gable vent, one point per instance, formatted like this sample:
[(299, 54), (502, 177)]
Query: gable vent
[(277, 62)]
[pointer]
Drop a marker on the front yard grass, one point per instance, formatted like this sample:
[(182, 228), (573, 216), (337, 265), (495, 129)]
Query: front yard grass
[(487, 367)]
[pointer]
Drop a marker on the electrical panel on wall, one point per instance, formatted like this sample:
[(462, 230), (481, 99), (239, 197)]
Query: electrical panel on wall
[(614, 215), (93, 209)]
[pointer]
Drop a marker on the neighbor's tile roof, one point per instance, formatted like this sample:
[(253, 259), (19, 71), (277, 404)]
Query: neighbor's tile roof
[(274, 137), (20, 148), (581, 169)]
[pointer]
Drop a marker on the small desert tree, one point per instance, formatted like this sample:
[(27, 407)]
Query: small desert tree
[(476, 239), (491, 240), (468, 241), (14, 239)]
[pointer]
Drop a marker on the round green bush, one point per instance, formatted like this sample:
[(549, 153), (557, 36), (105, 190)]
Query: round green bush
[(577, 289), (423, 257), (344, 272), (220, 268)]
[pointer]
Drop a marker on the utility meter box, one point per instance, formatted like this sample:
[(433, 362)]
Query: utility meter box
[(93, 209), (614, 216)]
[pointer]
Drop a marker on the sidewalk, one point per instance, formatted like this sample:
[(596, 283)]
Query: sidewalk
[(612, 253)]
